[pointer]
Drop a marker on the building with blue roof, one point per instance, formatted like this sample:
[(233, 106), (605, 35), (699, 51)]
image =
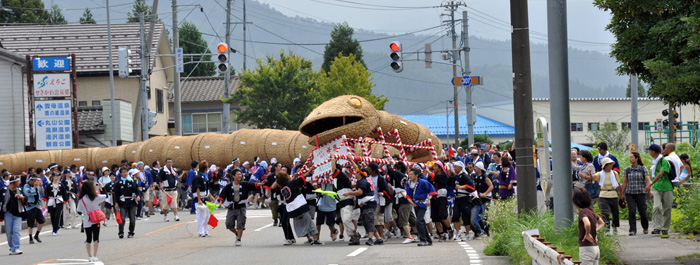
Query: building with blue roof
[(443, 127)]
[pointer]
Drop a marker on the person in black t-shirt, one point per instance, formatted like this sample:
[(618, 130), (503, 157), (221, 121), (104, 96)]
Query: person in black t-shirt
[(200, 191), (234, 197), (296, 205), (127, 195), (464, 186), (12, 210), (168, 185), (365, 201)]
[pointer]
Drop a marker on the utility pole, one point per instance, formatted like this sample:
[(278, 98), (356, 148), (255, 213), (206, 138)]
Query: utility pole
[(522, 102), (467, 72), (671, 123), (452, 7), (244, 37), (447, 119), (177, 105), (559, 105), (144, 76), (111, 78), (227, 76), (634, 111)]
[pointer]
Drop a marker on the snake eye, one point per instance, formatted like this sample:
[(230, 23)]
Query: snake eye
[(356, 102)]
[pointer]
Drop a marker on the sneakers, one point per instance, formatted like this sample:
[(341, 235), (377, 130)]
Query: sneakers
[(451, 234), (130, 235), (407, 241), (354, 240), (466, 237), (31, 241), (54, 233), (369, 242), (656, 232), (121, 235), (36, 237), (379, 242), (664, 233), (16, 252), (238, 243), (165, 219), (646, 231), (309, 242), (423, 244), (275, 223), (177, 219), (287, 242), (317, 243), (341, 238)]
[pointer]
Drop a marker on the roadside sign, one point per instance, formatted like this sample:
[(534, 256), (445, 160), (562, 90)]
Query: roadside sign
[(53, 124), (51, 63), (466, 80), (179, 60), (52, 85)]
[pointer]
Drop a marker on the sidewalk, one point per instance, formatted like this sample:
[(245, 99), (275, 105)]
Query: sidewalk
[(651, 249)]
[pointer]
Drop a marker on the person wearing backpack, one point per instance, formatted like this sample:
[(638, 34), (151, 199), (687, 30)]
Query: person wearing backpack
[(669, 153), (89, 205), (662, 191)]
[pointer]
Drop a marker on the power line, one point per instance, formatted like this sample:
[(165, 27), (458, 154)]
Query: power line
[(398, 7), (368, 8), (290, 42)]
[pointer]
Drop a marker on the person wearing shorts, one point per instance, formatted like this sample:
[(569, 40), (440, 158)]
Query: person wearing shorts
[(365, 201), (234, 197), (326, 209), (168, 184), (33, 192)]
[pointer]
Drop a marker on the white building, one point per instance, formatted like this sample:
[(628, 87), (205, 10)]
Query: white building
[(12, 102)]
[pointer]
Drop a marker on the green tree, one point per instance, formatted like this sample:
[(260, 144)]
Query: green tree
[(57, 17), (641, 91), (660, 42), (278, 93), (617, 140), (87, 18), (341, 43), (347, 76), (23, 11), (140, 6), (478, 139), (191, 41)]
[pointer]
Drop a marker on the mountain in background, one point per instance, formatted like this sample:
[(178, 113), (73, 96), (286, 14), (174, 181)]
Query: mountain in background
[(416, 90)]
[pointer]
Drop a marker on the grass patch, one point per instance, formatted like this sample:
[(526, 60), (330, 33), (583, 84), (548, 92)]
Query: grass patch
[(685, 218), (694, 257), (507, 226)]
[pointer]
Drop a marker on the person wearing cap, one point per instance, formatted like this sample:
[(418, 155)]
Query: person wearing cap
[(127, 195), (168, 184), (57, 195), (34, 193), (200, 191), (438, 207), (662, 191), (12, 210), (474, 155), (464, 186), (494, 171), (418, 194), (610, 191), (602, 154), (668, 150), (107, 189), (482, 196), (296, 165), (145, 182), (70, 215)]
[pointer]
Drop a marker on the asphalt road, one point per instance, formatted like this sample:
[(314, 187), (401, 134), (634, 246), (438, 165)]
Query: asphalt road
[(158, 242)]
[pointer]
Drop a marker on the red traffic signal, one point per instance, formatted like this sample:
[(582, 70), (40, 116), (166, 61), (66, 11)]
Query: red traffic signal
[(222, 47), (395, 46)]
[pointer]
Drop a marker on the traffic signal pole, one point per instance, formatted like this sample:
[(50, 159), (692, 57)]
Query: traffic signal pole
[(143, 95), (452, 7), (467, 72)]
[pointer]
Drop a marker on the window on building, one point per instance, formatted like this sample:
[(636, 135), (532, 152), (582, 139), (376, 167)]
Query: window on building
[(148, 91), (82, 103), (201, 123), (160, 108), (576, 127), (626, 125), (593, 126), (96, 103), (641, 125)]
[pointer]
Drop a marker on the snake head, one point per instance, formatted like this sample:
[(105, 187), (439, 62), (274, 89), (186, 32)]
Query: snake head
[(348, 115)]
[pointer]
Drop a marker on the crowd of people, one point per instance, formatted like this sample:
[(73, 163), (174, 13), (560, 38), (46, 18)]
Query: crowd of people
[(413, 202)]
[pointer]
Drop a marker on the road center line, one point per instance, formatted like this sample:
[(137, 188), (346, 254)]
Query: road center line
[(261, 228), (357, 252)]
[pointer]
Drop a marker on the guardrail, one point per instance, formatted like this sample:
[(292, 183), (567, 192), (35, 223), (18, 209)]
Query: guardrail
[(542, 252)]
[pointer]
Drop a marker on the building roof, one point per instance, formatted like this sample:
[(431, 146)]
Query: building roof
[(90, 119), (88, 42), (205, 88), (437, 124), (602, 99), (11, 56)]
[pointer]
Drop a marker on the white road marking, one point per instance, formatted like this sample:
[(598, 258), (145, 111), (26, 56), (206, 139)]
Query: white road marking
[(73, 261), (357, 252), (26, 237), (261, 228)]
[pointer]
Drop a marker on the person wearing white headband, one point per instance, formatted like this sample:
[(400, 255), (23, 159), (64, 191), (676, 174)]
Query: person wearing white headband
[(11, 201)]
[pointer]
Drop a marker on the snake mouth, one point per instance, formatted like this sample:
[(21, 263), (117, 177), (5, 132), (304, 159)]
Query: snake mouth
[(329, 123)]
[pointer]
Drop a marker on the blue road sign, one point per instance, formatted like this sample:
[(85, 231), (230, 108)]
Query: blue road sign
[(51, 63), (54, 128), (466, 80)]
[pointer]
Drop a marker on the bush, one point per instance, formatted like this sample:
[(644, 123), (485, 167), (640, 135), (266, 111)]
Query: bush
[(507, 237), (685, 219)]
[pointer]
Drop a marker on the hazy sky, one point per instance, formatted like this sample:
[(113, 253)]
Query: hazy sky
[(489, 19)]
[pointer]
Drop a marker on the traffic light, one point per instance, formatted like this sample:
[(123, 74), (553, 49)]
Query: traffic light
[(396, 57), (222, 58), (152, 119), (124, 62)]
